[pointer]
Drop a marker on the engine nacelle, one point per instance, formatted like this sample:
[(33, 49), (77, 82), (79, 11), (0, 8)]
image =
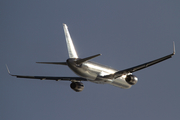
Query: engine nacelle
[(131, 79), (77, 86)]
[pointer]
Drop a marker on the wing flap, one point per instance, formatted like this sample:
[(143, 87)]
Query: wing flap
[(52, 78)]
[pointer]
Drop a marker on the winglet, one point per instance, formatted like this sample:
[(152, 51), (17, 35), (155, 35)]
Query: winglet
[(8, 70), (174, 51)]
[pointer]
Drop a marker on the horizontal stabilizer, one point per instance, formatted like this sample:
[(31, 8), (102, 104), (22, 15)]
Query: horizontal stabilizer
[(56, 63), (80, 61)]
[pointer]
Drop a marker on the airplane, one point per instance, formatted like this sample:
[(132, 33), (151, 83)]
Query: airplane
[(94, 72)]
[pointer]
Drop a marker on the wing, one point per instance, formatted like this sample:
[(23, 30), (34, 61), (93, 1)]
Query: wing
[(139, 67), (49, 77), (145, 65)]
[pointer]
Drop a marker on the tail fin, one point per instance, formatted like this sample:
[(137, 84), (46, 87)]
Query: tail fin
[(70, 45)]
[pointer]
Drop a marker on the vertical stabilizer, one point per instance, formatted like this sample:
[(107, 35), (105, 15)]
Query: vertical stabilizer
[(70, 45)]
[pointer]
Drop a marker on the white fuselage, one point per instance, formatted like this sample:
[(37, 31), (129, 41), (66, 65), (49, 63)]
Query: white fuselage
[(94, 72)]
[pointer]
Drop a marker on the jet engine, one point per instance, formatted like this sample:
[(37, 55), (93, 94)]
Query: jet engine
[(77, 86), (131, 79)]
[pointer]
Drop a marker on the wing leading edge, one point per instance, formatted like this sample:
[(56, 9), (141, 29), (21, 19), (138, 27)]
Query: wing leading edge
[(49, 77)]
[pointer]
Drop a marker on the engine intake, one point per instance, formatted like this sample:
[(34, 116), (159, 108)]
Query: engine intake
[(77, 86), (131, 79)]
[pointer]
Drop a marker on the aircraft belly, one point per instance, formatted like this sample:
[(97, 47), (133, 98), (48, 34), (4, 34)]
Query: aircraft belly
[(84, 72)]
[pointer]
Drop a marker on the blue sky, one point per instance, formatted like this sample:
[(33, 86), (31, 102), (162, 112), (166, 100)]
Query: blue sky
[(126, 33)]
